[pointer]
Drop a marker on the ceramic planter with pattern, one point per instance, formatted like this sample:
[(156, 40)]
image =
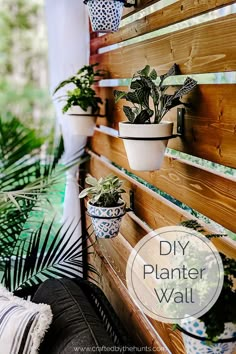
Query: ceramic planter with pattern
[(105, 15), (106, 221), (196, 346)]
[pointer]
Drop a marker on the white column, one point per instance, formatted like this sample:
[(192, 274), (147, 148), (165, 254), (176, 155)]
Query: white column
[(68, 42)]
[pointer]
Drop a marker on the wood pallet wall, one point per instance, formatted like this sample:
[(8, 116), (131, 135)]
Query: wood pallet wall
[(210, 133)]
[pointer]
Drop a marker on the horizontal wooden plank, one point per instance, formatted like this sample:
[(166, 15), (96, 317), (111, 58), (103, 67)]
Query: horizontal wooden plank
[(209, 193), (136, 323), (209, 47), (174, 13), (150, 207), (209, 124), (140, 4)]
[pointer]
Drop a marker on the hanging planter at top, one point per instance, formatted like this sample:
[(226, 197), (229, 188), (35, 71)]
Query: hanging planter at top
[(105, 15)]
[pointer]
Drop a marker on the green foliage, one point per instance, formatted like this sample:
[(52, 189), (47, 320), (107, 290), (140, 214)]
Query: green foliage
[(23, 62), (41, 257), (27, 176), (150, 102), (224, 309), (105, 192), (82, 95)]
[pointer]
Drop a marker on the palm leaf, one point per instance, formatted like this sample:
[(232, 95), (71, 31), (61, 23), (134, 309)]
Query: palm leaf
[(24, 178), (31, 263)]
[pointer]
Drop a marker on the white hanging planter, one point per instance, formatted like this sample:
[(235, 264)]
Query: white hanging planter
[(105, 15), (106, 221), (145, 154), (80, 122), (197, 328)]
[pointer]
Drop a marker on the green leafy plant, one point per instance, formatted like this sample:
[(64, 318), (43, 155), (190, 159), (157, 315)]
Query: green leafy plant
[(45, 254), (83, 95), (105, 192), (31, 251), (224, 309), (149, 100)]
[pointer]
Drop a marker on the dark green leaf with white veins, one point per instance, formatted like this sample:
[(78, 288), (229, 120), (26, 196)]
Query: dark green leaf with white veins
[(129, 113)]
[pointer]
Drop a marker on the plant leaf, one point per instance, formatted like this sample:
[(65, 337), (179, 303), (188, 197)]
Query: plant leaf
[(31, 263), (171, 72), (119, 95), (188, 85), (92, 181), (153, 74), (145, 71), (143, 118), (129, 113)]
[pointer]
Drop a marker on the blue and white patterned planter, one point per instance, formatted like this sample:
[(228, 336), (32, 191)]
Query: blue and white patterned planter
[(195, 346), (106, 221), (105, 15)]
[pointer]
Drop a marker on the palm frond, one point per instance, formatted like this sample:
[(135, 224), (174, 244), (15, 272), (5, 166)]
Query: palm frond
[(45, 255), (25, 178)]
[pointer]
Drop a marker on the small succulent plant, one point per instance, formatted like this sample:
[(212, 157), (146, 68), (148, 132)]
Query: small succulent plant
[(104, 192)]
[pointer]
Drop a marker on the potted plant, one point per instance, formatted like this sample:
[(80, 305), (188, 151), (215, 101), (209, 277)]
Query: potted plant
[(105, 205), (214, 332), (145, 134), (81, 102), (105, 15)]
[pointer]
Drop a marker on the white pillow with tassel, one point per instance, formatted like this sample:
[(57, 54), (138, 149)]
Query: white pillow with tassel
[(22, 324)]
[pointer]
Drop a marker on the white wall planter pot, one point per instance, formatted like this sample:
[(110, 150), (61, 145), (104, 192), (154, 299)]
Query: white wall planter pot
[(80, 122), (105, 15), (106, 221), (145, 154), (197, 346)]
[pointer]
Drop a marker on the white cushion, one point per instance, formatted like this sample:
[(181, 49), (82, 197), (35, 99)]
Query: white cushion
[(22, 324)]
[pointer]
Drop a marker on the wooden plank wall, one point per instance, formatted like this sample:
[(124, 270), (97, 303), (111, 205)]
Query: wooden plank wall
[(210, 134)]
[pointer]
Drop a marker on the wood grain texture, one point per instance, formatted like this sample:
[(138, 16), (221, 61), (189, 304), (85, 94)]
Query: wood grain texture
[(205, 48), (136, 323), (210, 133), (114, 253), (149, 206), (169, 15), (140, 4), (210, 125), (153, 209), (209, 193)]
